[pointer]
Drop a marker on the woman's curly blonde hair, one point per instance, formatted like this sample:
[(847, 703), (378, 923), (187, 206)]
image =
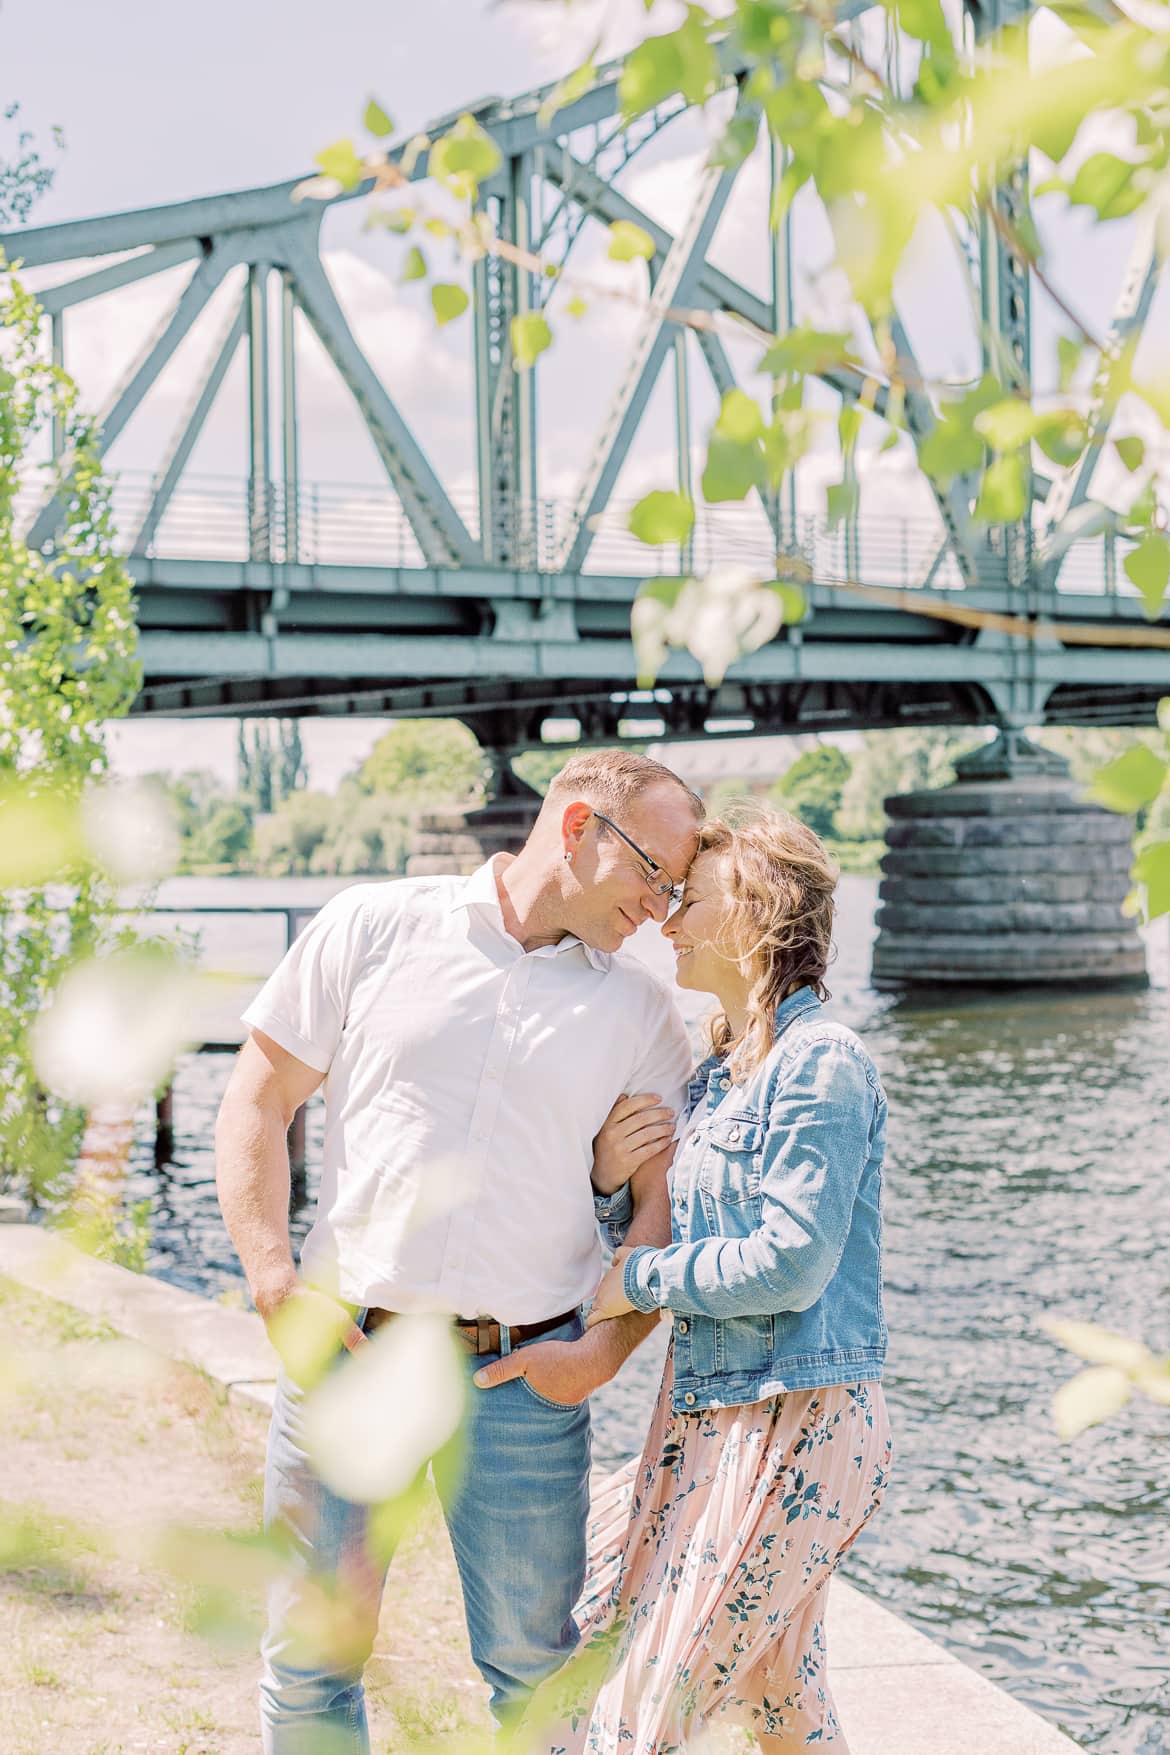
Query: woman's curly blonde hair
[(778, 883)]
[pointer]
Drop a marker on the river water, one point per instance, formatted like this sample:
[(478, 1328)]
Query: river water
[(1028, 1170)]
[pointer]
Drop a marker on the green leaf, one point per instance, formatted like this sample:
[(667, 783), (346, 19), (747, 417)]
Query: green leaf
[(792, 599), (849, 426), (629, 242), (1105, 182), (663, 517), (737, 141), (843, 500), (1050, 186), (732, 469), (785, 442), (1148, 567), (341, 161), (923, 19), (530, 336), (390, 219), (1069, 354), (376, 121), (415, 266), (1151, 869), (761, 28), (1088, 1398), (807, 350), (1132, 452), (464, 157), (1142, 511), (740, 419), (1130, 782), (1006, 425), (569, 90), (1062, 435), (682, 61), (1003, 495), (449, 301)]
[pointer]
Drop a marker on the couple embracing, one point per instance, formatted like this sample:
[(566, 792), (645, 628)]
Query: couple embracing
[(490, 1020)]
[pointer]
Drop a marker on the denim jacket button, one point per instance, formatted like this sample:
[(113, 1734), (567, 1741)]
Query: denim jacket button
[(733, 1132), (689, 1398), (682, 1327)]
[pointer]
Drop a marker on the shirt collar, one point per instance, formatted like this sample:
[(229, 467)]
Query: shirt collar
[(479, 891)]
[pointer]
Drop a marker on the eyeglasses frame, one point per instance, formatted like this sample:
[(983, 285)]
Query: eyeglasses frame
[(672, 890)]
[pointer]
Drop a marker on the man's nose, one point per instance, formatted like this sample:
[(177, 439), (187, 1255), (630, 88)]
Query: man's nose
[(658, 907)]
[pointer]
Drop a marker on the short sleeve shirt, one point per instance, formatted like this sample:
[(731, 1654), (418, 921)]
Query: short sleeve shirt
[(465, 1081)]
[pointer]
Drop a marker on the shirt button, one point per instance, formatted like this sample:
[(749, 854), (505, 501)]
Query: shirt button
[(725, 1084), (689, 1398), (682, 1327)]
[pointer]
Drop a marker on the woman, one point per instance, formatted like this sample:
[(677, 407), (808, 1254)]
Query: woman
[(769, 1447)]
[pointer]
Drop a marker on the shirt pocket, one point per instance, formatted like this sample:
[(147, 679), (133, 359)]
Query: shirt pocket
[(731, 1169)]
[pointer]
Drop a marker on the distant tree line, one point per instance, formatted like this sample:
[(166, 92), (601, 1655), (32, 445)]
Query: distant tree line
[(272, 823)]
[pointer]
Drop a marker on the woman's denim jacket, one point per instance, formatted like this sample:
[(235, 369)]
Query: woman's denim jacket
[(775, 1272)]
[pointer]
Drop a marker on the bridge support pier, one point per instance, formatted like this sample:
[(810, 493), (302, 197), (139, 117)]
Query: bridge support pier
[(459, 840), (1007, 878)]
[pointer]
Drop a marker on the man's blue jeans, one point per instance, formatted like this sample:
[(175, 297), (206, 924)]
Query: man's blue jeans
[(517, 1525)]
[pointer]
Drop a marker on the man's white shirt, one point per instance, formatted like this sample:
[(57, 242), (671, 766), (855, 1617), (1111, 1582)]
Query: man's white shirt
[(465, 1081)]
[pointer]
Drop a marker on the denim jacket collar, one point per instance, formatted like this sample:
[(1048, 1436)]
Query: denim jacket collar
[(711, 1079)]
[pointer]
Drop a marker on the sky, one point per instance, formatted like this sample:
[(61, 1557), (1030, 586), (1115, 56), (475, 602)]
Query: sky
[(159, 104)]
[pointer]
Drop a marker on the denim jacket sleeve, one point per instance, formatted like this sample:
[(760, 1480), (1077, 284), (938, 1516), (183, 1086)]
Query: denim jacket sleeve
[(615, 1213), (819, 1134)]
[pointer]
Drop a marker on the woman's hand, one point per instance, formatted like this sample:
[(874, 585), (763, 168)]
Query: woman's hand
[(635, 1130), (610, 1299)]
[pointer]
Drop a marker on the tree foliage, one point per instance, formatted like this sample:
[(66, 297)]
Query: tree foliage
[(811, 788), (426, 761), (24, 174), (67, 665)]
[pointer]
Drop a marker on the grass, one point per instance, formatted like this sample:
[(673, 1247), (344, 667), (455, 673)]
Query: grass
[(103, 1653)]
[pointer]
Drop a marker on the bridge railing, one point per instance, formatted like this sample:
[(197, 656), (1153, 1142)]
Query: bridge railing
[(219, 518)]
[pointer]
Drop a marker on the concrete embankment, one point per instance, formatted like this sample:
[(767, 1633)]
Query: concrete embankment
[(899, 1693)]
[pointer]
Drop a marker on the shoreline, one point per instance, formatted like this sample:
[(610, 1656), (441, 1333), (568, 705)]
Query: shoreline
[(898, 1692)]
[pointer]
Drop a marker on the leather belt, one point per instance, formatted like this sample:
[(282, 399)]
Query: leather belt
[(482, 1334)]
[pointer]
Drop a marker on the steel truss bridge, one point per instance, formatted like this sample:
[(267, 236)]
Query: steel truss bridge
[(275, 595)]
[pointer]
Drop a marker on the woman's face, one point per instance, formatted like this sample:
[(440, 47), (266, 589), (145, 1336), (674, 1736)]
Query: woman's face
[(697, 930)]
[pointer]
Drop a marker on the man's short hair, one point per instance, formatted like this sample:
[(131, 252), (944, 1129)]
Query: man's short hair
[(611, 780)]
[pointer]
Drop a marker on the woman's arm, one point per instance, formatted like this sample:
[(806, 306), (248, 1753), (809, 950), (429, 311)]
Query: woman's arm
[(818, 1141)]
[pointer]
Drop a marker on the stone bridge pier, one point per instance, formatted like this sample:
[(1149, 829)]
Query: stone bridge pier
[(459, 839), (1007, 878)]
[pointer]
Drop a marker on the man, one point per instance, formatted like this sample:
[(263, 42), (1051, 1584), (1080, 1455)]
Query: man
[(484, 1019)]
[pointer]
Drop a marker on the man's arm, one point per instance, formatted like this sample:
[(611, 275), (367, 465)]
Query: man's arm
[(568, 1371), (266, 1088)]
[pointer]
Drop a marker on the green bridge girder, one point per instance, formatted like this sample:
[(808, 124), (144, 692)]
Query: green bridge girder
[(501, 611)]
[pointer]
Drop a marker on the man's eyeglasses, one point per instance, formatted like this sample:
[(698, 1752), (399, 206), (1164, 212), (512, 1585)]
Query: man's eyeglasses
[(659, 880)]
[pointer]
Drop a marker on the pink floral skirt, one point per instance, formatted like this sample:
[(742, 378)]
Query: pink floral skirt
[(709, 1563)]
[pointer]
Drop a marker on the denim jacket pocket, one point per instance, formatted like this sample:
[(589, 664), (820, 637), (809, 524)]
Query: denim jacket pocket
[(732, 1161)]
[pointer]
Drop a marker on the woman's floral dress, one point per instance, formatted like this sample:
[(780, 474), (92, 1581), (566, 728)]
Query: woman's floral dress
[(709, 1563)]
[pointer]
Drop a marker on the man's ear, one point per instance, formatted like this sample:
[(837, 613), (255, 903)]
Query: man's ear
[(574, 823)]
